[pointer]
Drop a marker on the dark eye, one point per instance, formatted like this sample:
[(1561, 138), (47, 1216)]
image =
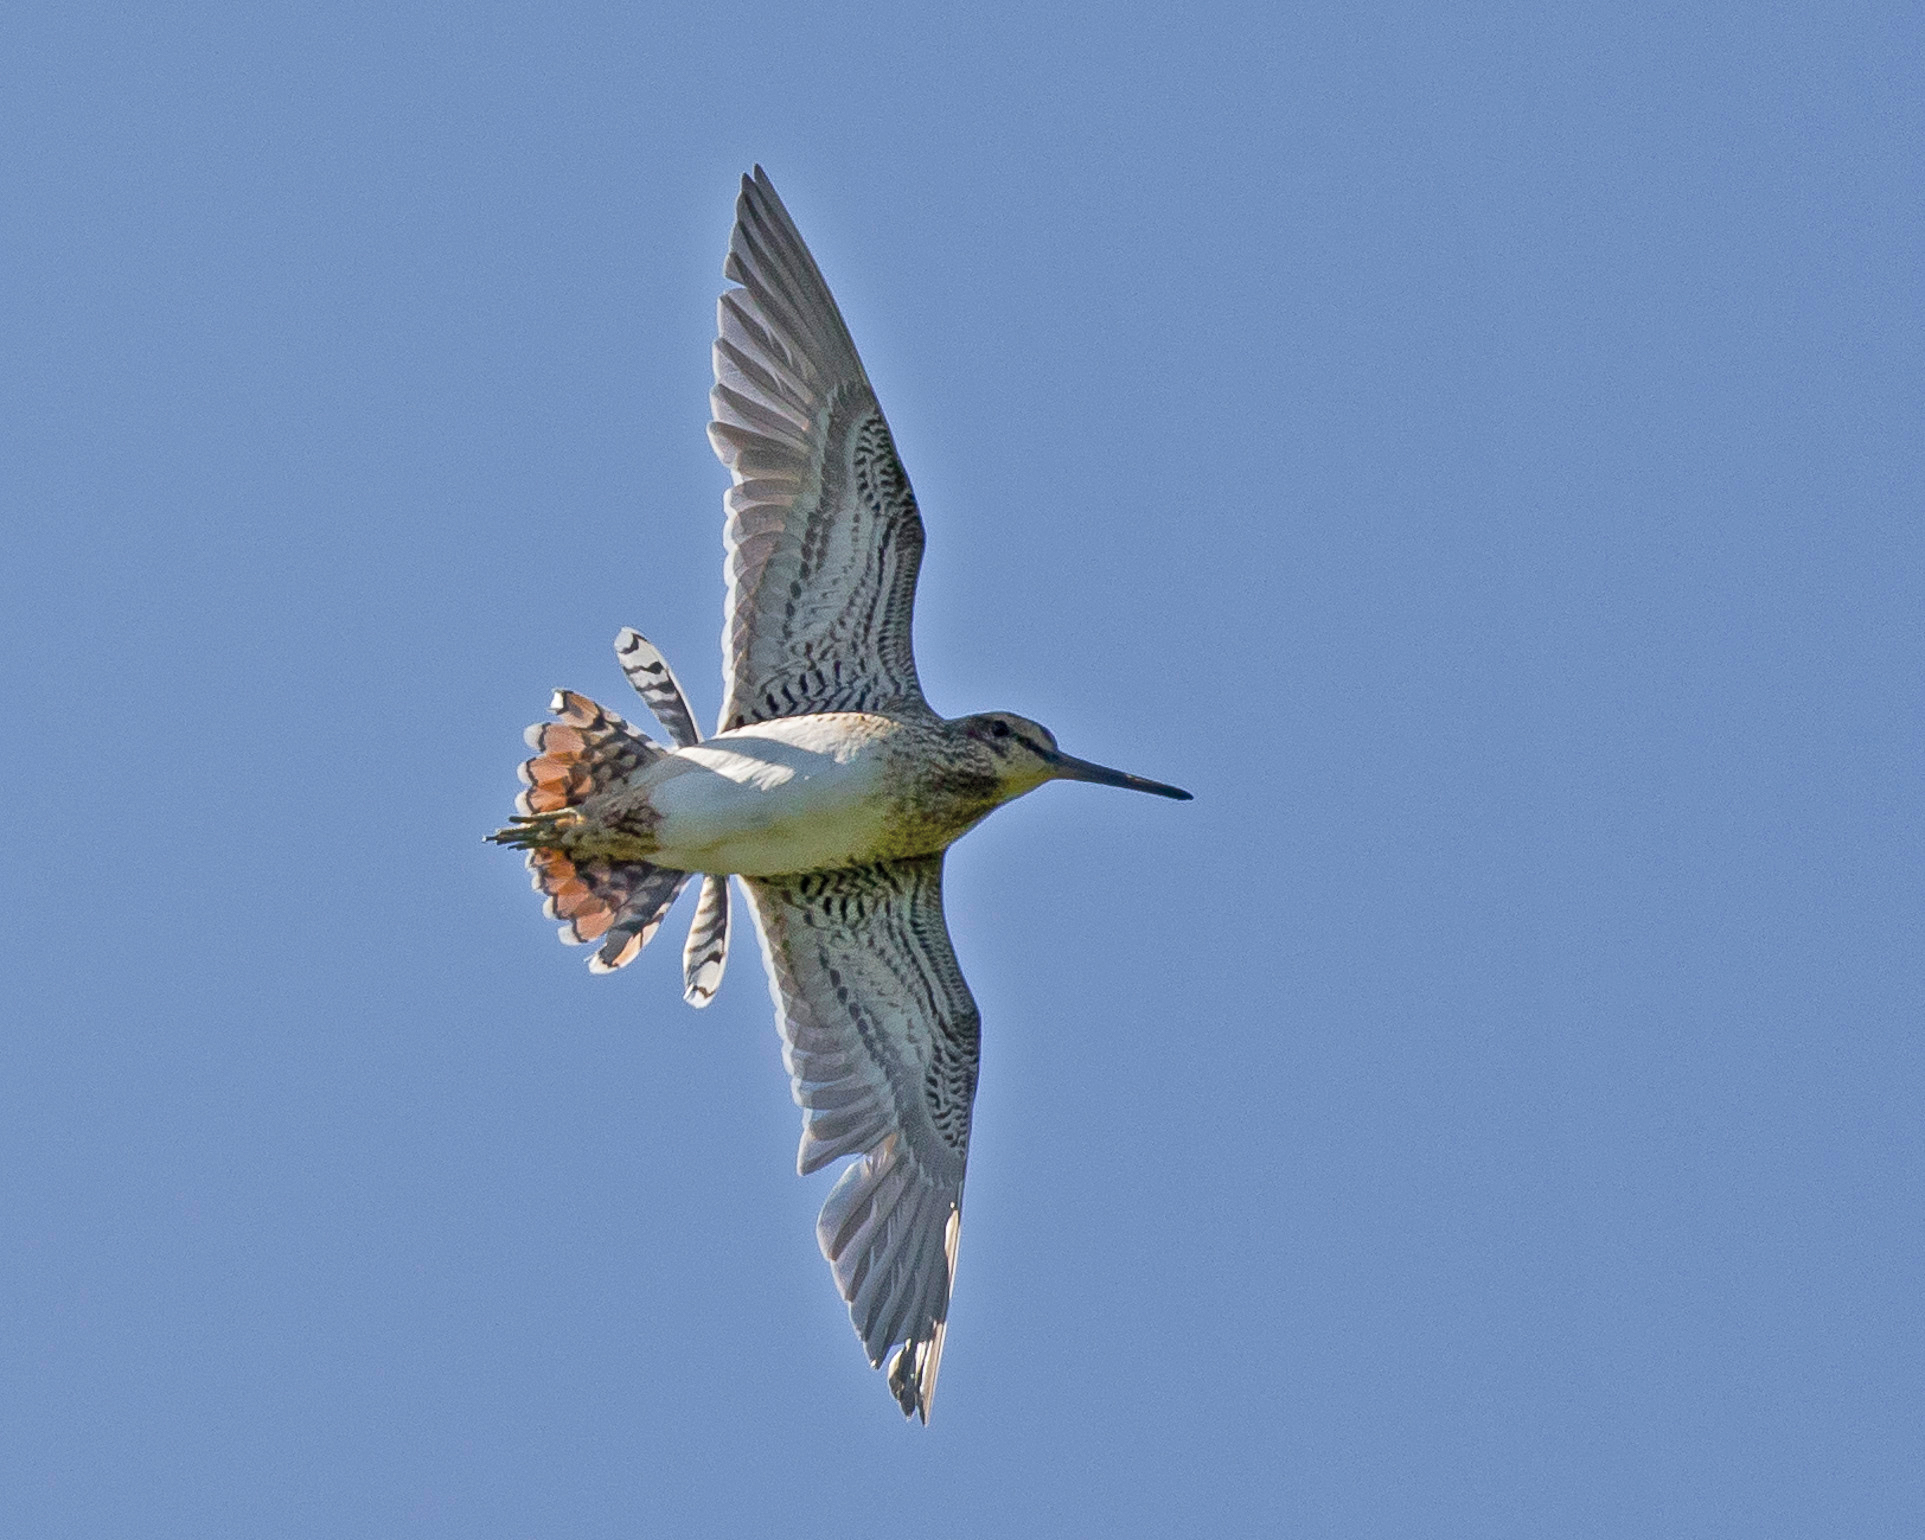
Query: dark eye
[(999, 729)]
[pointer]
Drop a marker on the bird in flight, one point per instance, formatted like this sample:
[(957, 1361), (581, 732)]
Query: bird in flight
[(830, 789)]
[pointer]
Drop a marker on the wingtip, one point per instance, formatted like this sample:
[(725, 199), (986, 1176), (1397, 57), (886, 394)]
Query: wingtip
[(914, 1366), (912, 1374), (759, 194)]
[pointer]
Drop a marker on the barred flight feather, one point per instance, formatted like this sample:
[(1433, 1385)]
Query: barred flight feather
[(881, 1040), (824, 540)]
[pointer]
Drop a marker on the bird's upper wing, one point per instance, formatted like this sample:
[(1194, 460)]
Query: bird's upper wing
[(881, 1039), (823, 537)]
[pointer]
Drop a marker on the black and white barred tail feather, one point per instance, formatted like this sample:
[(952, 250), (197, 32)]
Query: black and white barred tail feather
[(707, 952), (657, 685)]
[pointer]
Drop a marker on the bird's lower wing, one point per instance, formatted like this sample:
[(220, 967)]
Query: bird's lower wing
[(881, 1039)]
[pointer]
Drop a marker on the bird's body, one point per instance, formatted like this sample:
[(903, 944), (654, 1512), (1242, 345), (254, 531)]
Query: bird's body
[(830, 790), (801, 794), (796, 794)]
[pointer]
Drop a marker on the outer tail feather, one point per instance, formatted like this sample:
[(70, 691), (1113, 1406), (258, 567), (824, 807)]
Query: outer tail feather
[(655, 682), (707, 952)]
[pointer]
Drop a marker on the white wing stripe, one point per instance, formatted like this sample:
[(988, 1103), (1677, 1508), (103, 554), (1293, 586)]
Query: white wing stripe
[(758, 513)]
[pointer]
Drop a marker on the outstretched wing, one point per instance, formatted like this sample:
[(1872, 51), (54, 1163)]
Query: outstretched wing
[(881, 1039), (823, 537)]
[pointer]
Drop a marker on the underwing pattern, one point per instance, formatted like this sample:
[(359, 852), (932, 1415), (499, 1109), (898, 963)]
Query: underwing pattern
[(823, 537), (882, 1040)]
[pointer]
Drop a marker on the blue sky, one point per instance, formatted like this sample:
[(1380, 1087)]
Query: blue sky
[(1475, 451)]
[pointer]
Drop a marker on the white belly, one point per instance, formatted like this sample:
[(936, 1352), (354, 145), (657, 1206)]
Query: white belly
[(790, 796)]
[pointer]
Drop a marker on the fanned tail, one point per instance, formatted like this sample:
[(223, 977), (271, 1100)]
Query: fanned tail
[(588, 749), (619, 903), (644, 908)]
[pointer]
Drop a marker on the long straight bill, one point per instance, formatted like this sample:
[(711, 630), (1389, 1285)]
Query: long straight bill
[(1070, 768)]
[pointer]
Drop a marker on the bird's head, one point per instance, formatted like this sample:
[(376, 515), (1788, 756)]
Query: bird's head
[(1025, 756)]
